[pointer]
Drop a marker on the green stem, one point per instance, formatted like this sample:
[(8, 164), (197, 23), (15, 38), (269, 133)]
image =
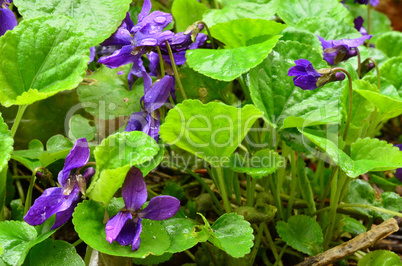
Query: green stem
[(191, 256), (368, 23), (331, 177), (359, 62), (276, 194), (345, 134), (251, 183), (257, 243), (161, 65), (17, 120), (28, 202), (378, 72), (271, 243), (222, 189), (76, 243), (281, 254), (293, 184), (176, 73), (88, 255), (208, 32), (357, 205)]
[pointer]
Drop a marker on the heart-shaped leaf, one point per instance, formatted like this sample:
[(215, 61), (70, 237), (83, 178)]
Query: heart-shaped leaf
[(390, 43), (41, 57), (98, 17), (210, 131), (186, 12), (302, 233), (114, 157), (248, 41)]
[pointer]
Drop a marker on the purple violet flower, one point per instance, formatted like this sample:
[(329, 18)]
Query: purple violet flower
[(359, 25), (306, 77), (63, 200), (336, 51), (125, 227), (365, 2), (136, 40), (7, 18)]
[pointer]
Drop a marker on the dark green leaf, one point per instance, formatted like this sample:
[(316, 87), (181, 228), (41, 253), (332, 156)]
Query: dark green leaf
[(181, 233), (352, 226), (41, 57), (362, 193)]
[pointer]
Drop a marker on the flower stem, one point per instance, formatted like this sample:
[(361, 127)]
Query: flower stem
[(257, 243), (281, 254), (176, 73), (345, 134), (251, 183), (161, 65), (293, 167), (208, 32), (88, 255), (28, 201), (76, 243), (222, 189), (271, 244), (359, 62), (17, 120), (358, 205), (378, 72)]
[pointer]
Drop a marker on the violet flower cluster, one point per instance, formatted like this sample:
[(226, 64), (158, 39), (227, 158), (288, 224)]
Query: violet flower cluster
[(7, 18), (63, 200)]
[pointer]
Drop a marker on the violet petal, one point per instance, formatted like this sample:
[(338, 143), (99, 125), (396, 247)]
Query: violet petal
[(7, 20), (120, 57), (115, 225), (160, 208), (134, 190), (158, 94)]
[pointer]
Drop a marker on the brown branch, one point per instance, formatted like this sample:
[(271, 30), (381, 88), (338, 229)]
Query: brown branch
[(361, 241)]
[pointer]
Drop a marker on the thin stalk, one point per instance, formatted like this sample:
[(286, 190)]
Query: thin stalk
[(76, 243), (331, 177), (211, 253), (345, 134), (378, 72), (18, 183), (236, 188), (281, 254), (368, 23), (359, 62), (28, 202), (222, 189), (257, 243), (357, 205), (88, 255), (17, 120), (293, 165), (216, 4), (251, 183), (207, 29), (271, 243), (161, 65), (176, 73), (276, 195), (191, 256)]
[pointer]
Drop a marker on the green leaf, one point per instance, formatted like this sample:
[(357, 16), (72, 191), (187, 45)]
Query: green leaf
[(328, 28), (114, 157), (237, 9), (392, 71), (352, 226), (16, 239), (390, 43), (198, 86), (261, 164), (249, 40), (88, 223), (366, 154), (380, 257), (181, 233), (302, 233), (361, 192), (186, 12), (393, 181), (6, 144), (210, 131), (80, 127), (284, 104), (293, 11), (232, 234), (17, 210), (153, 260), (99, 18), (41, 57), (390, 201), (54, 252), (106, 94), (302, 36)]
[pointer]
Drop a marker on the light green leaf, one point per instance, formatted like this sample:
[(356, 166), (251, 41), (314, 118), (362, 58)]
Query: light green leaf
[(390, 201), (328, 28), (6, 144), (390, 43), (366, 154), (256, 38), (352, 226), (361, 192), (153, 260), (232, 234), (150, 165), (392, 71), (114, 157), (302, 233), (16, 239), (284, 104), (54, 252), (302, 36), (80, 127), (393, 181), (41, 57), (186, 12), (181, 233), (261, 164), (211, 131), (293, 11), (237, 9), (106, 94), (99, 18), (88, 223), (380, 257)]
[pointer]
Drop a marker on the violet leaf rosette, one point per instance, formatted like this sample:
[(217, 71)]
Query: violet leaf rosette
[(307, 78), (336, 51), (7, 18), (125, 227), (63, 200)]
